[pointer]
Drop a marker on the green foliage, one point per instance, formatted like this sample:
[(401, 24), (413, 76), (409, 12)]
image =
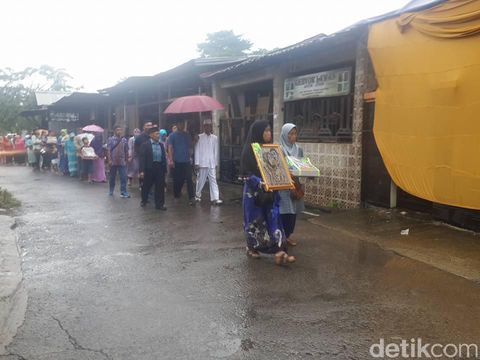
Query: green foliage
[(17, 93), (334, 204), (7, 201), (224, 43)]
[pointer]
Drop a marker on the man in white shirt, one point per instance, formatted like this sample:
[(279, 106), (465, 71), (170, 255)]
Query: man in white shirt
[(206, 161)]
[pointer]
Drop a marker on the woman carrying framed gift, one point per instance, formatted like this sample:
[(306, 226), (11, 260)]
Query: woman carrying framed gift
[(291, 201), (261, 215)]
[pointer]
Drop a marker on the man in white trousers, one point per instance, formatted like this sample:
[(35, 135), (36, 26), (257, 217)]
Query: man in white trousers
[(206, 161)]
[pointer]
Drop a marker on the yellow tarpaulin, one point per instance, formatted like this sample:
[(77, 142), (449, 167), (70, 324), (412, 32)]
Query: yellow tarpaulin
[(427, 112)]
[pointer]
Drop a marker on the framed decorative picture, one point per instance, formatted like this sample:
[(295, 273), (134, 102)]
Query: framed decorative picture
[(273, 166)]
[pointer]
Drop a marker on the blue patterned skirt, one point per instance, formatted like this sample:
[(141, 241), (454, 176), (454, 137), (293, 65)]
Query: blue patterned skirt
[(262, 225)]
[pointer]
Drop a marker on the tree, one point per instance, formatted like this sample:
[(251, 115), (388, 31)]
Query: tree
[(17, 92), (224, 43), (56, 79)]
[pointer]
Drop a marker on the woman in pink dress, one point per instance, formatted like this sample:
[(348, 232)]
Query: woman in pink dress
[(98, 173)]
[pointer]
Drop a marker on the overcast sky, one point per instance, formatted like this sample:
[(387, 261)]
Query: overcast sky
[(100, 42)]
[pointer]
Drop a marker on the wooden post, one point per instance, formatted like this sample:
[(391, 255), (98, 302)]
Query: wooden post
[(109, 121), (160, 116), (137, 116), (125, 123), (393, 194)]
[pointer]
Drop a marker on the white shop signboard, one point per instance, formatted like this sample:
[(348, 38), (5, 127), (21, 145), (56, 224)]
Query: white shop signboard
[(322, 84)]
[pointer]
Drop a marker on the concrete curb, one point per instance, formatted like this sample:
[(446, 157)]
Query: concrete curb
[(13, 297)]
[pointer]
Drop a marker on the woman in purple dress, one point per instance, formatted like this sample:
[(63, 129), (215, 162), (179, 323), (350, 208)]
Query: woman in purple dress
[(98, 173)]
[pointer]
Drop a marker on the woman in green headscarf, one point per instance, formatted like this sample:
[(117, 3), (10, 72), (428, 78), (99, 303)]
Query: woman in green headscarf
[(71, 154), (63, 162), (30, 155)]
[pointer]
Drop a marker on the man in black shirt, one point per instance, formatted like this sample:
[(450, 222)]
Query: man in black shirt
[(143, 137)]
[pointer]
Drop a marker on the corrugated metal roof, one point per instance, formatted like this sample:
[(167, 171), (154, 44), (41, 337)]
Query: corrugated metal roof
[(200, 65), (321, 39), (412, 6), (79, 99), (76, 100), (211, 61), (191, 67), (49, 97), (34, 112), (127, 84), (417, 5), (278, 55)]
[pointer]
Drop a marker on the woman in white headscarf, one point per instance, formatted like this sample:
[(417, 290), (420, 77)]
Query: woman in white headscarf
[(132, 161), (290, 205)]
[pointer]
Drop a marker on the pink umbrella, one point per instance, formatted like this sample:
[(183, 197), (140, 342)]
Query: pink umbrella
[(194, 103), (93, 128)]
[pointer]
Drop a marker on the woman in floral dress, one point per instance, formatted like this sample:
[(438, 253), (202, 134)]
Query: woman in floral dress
[(262, 223)]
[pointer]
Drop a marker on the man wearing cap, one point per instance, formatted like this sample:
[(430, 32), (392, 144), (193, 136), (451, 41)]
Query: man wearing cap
[(206, 162), (152, 168), (143, 137), (140, 140)]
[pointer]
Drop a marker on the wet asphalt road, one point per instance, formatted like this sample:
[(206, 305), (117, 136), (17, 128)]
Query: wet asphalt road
[(109, 280)]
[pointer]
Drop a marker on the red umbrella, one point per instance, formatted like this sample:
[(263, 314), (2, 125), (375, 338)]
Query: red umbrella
[(195, 103), (93, 128)]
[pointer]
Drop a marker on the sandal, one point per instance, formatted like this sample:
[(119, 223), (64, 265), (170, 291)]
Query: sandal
[(282, 258), (291, 242), (253, 254)]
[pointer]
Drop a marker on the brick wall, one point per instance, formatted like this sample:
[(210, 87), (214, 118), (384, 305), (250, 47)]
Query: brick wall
[(341, 164)]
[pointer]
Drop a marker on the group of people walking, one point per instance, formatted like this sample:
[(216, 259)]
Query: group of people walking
[(153, 156), (150, 157), (161, 155), (12, 148), (63, 154)]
